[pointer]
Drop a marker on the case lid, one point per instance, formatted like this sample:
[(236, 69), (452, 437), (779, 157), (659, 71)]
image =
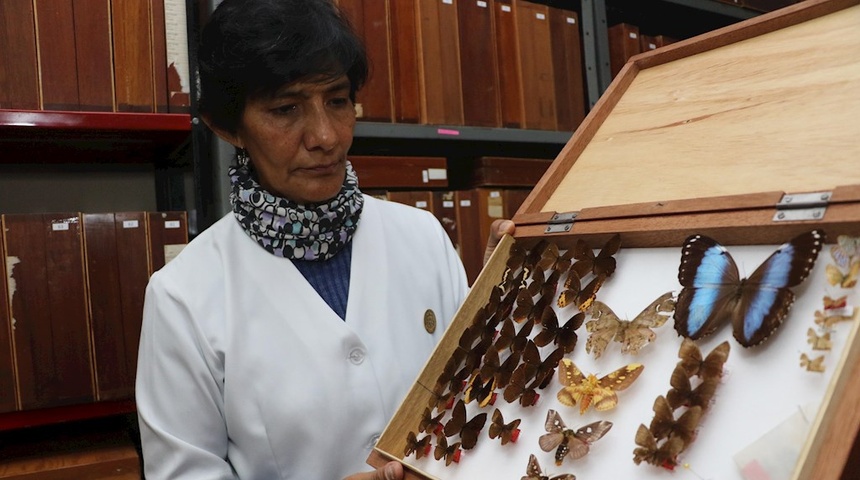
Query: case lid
[(727, 121)]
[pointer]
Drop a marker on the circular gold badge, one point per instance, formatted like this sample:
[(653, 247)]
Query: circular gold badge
[(429, 321)]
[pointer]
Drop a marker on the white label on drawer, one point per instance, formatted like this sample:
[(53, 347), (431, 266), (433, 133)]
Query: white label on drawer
[(447, 204), (540, 16), (482, 3), (437, 173), (465, 203), (171, 224), (495, 194), (59, 226), (130, 224), (633, 35), (421, 204), (506, 8), (571, 20), (425, 177), (652, 46), (448, 2)]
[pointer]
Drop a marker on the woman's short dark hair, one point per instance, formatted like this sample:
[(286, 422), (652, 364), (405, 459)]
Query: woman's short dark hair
[(253, 47)]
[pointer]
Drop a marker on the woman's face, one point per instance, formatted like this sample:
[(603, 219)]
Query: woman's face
[(298, 138)]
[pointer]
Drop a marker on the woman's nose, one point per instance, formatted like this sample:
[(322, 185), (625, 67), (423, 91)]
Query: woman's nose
[(320, 131)]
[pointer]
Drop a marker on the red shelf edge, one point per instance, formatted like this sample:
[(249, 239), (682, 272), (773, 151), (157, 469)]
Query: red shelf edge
[(115, 121), (54, 415)]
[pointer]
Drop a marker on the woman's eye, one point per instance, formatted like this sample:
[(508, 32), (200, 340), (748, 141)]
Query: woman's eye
[(340, 101), (284, 109)]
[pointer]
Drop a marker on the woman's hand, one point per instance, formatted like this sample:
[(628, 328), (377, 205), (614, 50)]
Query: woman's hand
[(390, 471), (498, 230)]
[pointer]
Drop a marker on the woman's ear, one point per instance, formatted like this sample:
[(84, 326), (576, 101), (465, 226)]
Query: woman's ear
[(229, 137)]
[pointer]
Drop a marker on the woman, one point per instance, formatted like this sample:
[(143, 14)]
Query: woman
[(282, 339)]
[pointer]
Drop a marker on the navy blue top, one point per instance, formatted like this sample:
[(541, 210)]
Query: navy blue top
[(330, 278)]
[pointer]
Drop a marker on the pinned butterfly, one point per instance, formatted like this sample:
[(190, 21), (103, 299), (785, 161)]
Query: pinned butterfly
[(589, 390), (534, 472), (713, 292), (506, 432), (567, 442), (845, 269), (631, 334)]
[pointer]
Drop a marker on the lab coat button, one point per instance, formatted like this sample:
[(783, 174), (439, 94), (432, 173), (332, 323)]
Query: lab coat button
[(356, 356)]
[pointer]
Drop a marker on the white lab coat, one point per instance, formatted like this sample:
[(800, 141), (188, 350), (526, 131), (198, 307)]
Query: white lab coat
[(241, 359)]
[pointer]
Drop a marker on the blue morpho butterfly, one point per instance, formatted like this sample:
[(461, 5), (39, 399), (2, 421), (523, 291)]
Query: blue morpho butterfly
[(714, 293)]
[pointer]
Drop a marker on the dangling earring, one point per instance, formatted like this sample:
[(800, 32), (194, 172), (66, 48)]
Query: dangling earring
[(242, 157)]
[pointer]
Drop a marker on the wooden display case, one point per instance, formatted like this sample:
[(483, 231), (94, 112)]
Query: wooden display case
[(746, 134)]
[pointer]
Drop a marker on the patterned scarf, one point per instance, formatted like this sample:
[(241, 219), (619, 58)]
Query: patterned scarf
[(287, 229)]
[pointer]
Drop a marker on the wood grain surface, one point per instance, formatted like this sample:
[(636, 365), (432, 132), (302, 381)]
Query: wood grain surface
[(772, 112)]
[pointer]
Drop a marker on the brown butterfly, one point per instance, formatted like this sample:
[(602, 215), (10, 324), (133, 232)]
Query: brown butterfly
[(520, 389), (709, 367), (535, 254), (533, 368), (451, 453), (564, 336), (551, 259), (509, 336), (490, 365), (582, 297), (442, 401), (819, 342), (590, 390), (421, 448), (546, 368), (534, 472), (480, 316), (847, 279), (480, 389), (569, 443), (473, 344), (468, 430), (494, 300), (538, 280), (602, 264), (503, 375), (516, 256), (507, 432), (663, 455), (664, 424), (482, 338), (451, 380), (429, 423), (527, 308), (682, 393), (505, 308), (828, 320), (631, 334), (550, 285), (812, 364), (835, 303)]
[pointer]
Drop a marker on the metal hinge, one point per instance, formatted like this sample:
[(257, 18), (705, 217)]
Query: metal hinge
[(802, 206), (561, 222)]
